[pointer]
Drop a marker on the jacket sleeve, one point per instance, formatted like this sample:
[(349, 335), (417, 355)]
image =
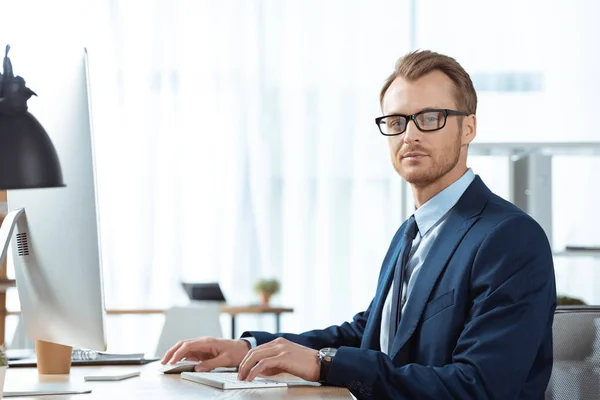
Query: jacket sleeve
[(514, 298), (348, 334)]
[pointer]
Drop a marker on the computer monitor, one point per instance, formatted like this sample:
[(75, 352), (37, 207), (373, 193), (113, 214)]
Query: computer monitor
[(56, 249)]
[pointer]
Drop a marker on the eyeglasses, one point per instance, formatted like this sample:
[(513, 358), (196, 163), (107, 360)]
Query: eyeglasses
[(425, 121)]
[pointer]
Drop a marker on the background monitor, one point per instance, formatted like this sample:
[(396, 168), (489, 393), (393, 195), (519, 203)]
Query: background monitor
[(55, 249), (204, 291)]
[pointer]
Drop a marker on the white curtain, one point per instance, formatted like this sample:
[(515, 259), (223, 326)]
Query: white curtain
[(235, 141)]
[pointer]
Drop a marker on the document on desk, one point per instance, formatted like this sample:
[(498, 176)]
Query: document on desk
[(43, 389)]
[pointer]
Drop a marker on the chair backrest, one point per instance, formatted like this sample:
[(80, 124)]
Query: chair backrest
[(576, 369), (189, 322)]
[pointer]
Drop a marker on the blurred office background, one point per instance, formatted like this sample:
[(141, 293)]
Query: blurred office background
[(235, 139)]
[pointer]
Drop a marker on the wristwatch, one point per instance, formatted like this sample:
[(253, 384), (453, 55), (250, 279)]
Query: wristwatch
[(326, 356)]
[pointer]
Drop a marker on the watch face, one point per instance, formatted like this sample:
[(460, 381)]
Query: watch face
[(328, 352)]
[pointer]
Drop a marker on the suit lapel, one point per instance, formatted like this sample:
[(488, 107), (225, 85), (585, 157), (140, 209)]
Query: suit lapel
[(462, 216)]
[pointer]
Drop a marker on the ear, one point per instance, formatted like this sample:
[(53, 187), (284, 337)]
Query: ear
[(469, 129)]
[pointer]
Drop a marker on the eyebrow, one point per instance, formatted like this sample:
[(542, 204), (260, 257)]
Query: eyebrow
[(422, 109)]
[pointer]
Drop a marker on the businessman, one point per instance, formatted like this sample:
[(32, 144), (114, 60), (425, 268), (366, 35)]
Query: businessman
[(466, 295)]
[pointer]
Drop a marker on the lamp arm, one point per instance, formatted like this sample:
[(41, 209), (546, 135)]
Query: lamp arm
[(6, 230)]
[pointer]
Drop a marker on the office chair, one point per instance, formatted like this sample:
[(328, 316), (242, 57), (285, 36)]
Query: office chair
[(199, 318), (576, 368)]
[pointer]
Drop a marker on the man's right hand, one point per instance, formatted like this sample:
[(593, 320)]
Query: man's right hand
[(210, 353)]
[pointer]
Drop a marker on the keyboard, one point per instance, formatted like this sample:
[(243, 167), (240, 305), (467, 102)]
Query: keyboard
[(228, 380)]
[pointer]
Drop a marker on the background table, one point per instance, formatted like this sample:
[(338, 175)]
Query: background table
[(151, 384), (258, 309)]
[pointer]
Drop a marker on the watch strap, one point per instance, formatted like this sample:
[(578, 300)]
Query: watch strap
[(324, 370), (325, 360)]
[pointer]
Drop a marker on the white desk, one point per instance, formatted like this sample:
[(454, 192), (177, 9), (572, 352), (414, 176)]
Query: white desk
[(151, 384)]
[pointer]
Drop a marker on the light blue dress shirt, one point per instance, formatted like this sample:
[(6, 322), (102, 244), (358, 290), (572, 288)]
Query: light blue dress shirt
[(430, 218)]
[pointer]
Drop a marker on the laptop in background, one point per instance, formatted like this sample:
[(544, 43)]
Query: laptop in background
[(204, 291)]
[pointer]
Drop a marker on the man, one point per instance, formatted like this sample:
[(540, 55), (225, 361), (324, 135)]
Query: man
[(466, 295)]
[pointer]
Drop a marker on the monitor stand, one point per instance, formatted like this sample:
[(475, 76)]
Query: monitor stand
[(51, 358)]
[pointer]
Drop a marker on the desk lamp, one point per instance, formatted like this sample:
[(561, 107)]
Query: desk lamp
[(28, 158)]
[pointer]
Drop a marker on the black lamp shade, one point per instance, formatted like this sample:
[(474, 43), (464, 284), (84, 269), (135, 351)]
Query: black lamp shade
[(28, 158)]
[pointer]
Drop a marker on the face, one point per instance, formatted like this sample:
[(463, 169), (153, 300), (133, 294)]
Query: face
[(424, 158)]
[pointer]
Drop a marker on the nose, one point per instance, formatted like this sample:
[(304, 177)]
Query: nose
[(412, 132)]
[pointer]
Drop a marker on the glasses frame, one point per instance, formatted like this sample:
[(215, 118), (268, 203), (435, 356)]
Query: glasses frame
[(413, 117)]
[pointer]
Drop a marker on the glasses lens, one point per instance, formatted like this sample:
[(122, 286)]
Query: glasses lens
[(431, 120), (392, 125)]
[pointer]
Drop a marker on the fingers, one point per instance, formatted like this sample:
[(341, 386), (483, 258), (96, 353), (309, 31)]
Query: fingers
[(271, 371), (198, 348), (184, 350), (267, 364), (169, 354), (222, 360), (278, 356), (256, 355)]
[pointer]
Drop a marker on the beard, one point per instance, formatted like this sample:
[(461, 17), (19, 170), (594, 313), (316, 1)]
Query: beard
[(441, 162)]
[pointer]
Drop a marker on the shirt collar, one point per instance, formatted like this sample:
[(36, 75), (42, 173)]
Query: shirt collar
[(435, 208)]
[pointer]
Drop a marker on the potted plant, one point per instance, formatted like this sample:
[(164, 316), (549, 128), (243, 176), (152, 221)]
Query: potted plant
[(3, 367), (265, 289)]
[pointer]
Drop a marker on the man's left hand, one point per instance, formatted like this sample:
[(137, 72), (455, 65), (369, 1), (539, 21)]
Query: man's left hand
[(279, 356)]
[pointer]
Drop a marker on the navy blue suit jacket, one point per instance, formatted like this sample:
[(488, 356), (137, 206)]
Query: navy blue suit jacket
[(478, 323)]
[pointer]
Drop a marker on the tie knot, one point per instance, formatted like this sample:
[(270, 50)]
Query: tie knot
[(411, 228)]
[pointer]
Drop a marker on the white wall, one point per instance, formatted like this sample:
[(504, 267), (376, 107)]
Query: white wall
[(558, 40)]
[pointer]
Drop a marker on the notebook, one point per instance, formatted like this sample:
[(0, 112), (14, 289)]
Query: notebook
[(85, 354)]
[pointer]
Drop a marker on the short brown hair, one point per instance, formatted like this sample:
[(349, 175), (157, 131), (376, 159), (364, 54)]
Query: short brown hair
[(421, 62)]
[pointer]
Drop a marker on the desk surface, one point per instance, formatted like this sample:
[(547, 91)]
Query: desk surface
[(152, 384)]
